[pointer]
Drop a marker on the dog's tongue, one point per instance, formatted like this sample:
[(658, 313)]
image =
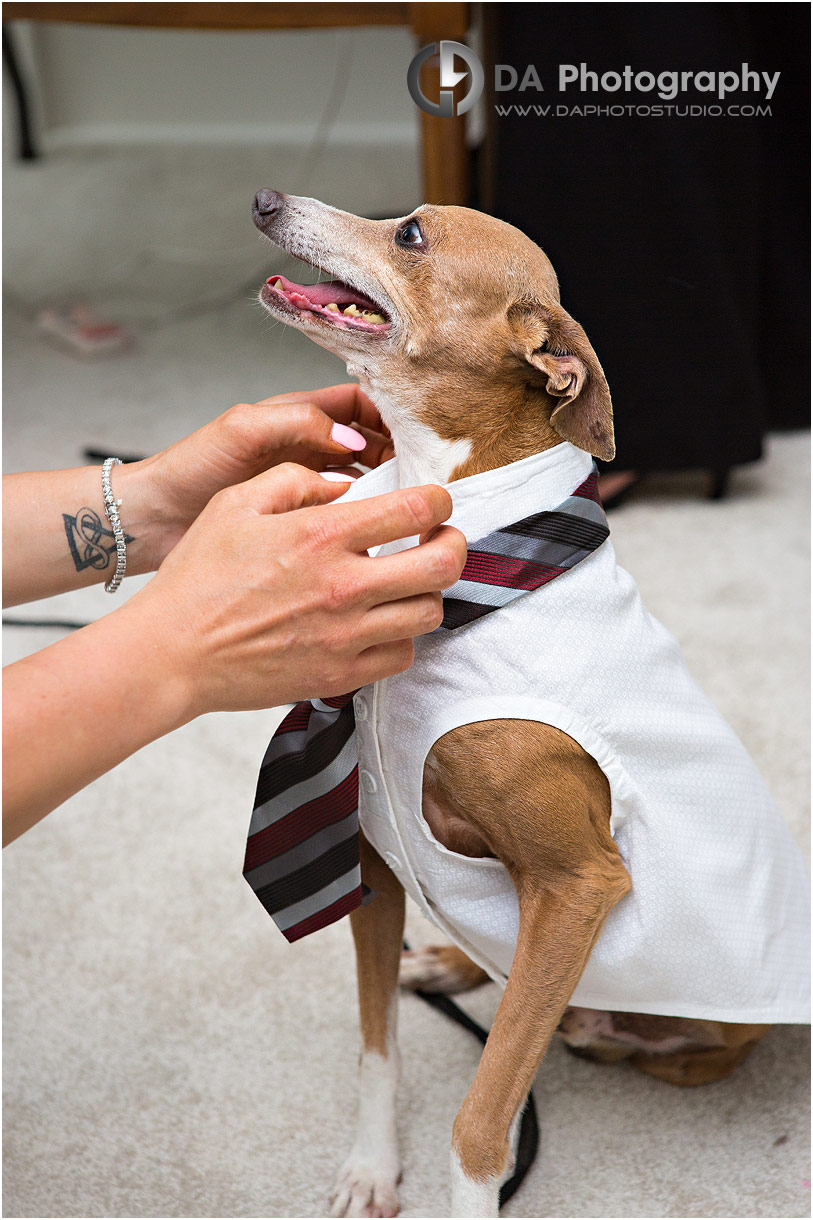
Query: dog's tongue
[(330, 292)]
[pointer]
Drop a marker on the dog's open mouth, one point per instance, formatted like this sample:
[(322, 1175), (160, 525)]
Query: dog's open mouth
[(337, 303)]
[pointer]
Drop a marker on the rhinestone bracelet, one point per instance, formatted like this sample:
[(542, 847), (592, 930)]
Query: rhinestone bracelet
[(111, 507)]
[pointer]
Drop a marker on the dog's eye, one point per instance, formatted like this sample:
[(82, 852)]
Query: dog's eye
[(409, 234)]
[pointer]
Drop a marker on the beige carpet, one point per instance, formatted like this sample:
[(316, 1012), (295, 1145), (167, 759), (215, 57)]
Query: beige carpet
[(168, 1054)]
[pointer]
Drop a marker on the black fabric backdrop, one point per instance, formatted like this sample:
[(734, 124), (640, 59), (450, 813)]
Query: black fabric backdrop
[(681, 244)]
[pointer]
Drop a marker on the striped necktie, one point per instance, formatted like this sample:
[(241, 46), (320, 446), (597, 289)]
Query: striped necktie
[(302, 856)]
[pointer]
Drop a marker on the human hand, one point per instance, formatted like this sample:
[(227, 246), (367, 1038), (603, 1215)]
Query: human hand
[(271, 596), (320, 429)]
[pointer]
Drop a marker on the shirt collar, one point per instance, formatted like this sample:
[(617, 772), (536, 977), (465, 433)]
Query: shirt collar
[(495, 498)]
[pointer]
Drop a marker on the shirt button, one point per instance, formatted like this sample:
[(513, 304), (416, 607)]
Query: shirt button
[(368, 782), (360, 708), (393, 861)]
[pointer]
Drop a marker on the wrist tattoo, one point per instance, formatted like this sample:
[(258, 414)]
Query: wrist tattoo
[(91, 543)]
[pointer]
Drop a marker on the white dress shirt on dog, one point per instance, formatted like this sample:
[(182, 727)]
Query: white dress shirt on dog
[(716, 925)]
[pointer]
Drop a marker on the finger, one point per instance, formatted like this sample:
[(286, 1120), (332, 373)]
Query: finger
[(400, 620), (427, 568), (348, 404), (398, 514), (382, 661), (370, 447), (285, 488), (379, 446), (345, 403), (348, 472), (271, 426), (339, 476)]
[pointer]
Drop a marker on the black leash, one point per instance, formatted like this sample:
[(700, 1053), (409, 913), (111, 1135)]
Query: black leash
[(528, 1142)]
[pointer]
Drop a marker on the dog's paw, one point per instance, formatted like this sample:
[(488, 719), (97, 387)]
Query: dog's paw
[(439, 968), (363, 1189)]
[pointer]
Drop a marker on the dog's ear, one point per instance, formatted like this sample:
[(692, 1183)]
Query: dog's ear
[(548, 340)]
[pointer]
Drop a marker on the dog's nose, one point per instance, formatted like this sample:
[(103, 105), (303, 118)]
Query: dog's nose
[(267, 202)]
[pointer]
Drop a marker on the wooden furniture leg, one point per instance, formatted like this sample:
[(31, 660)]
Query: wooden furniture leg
[(26, 149), (445, 156)]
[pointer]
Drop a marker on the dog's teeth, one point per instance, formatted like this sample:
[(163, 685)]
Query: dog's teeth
[(352, 310), (277, 284), (372, 317), (333, 307)]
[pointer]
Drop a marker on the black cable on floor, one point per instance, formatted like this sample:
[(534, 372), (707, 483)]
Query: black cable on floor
[(528, 1142), (96, 455), (57, 623)]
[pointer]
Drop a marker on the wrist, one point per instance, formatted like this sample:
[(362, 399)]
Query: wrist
[(151, 660), (146, 514), (129, 695)]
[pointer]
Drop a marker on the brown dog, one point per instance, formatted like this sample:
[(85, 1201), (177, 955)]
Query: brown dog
[(452, 323)]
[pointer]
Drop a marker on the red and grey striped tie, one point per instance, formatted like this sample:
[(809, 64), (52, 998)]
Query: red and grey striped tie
[(302, 856)]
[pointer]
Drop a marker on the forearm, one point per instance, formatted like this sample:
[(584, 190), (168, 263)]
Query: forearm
[(75, 710), (57, 537), (270, 596), (56, 534)]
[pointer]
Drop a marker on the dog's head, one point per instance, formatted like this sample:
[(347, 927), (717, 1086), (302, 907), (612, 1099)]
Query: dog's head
[(446, 309)]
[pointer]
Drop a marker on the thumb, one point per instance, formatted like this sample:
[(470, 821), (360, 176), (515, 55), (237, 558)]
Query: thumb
[(303, 423), (284, 488)]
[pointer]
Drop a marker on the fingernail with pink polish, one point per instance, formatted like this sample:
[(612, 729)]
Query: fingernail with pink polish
[(335, 477), (348, 437)]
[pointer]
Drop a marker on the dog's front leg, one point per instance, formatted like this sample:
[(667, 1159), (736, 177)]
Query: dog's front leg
[(559, 923), (369, 1177)]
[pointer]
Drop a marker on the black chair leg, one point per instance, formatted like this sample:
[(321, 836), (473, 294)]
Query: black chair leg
[(719, 483), (25, 145)]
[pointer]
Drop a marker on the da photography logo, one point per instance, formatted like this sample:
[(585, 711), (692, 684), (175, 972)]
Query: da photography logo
[(445, 107)]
